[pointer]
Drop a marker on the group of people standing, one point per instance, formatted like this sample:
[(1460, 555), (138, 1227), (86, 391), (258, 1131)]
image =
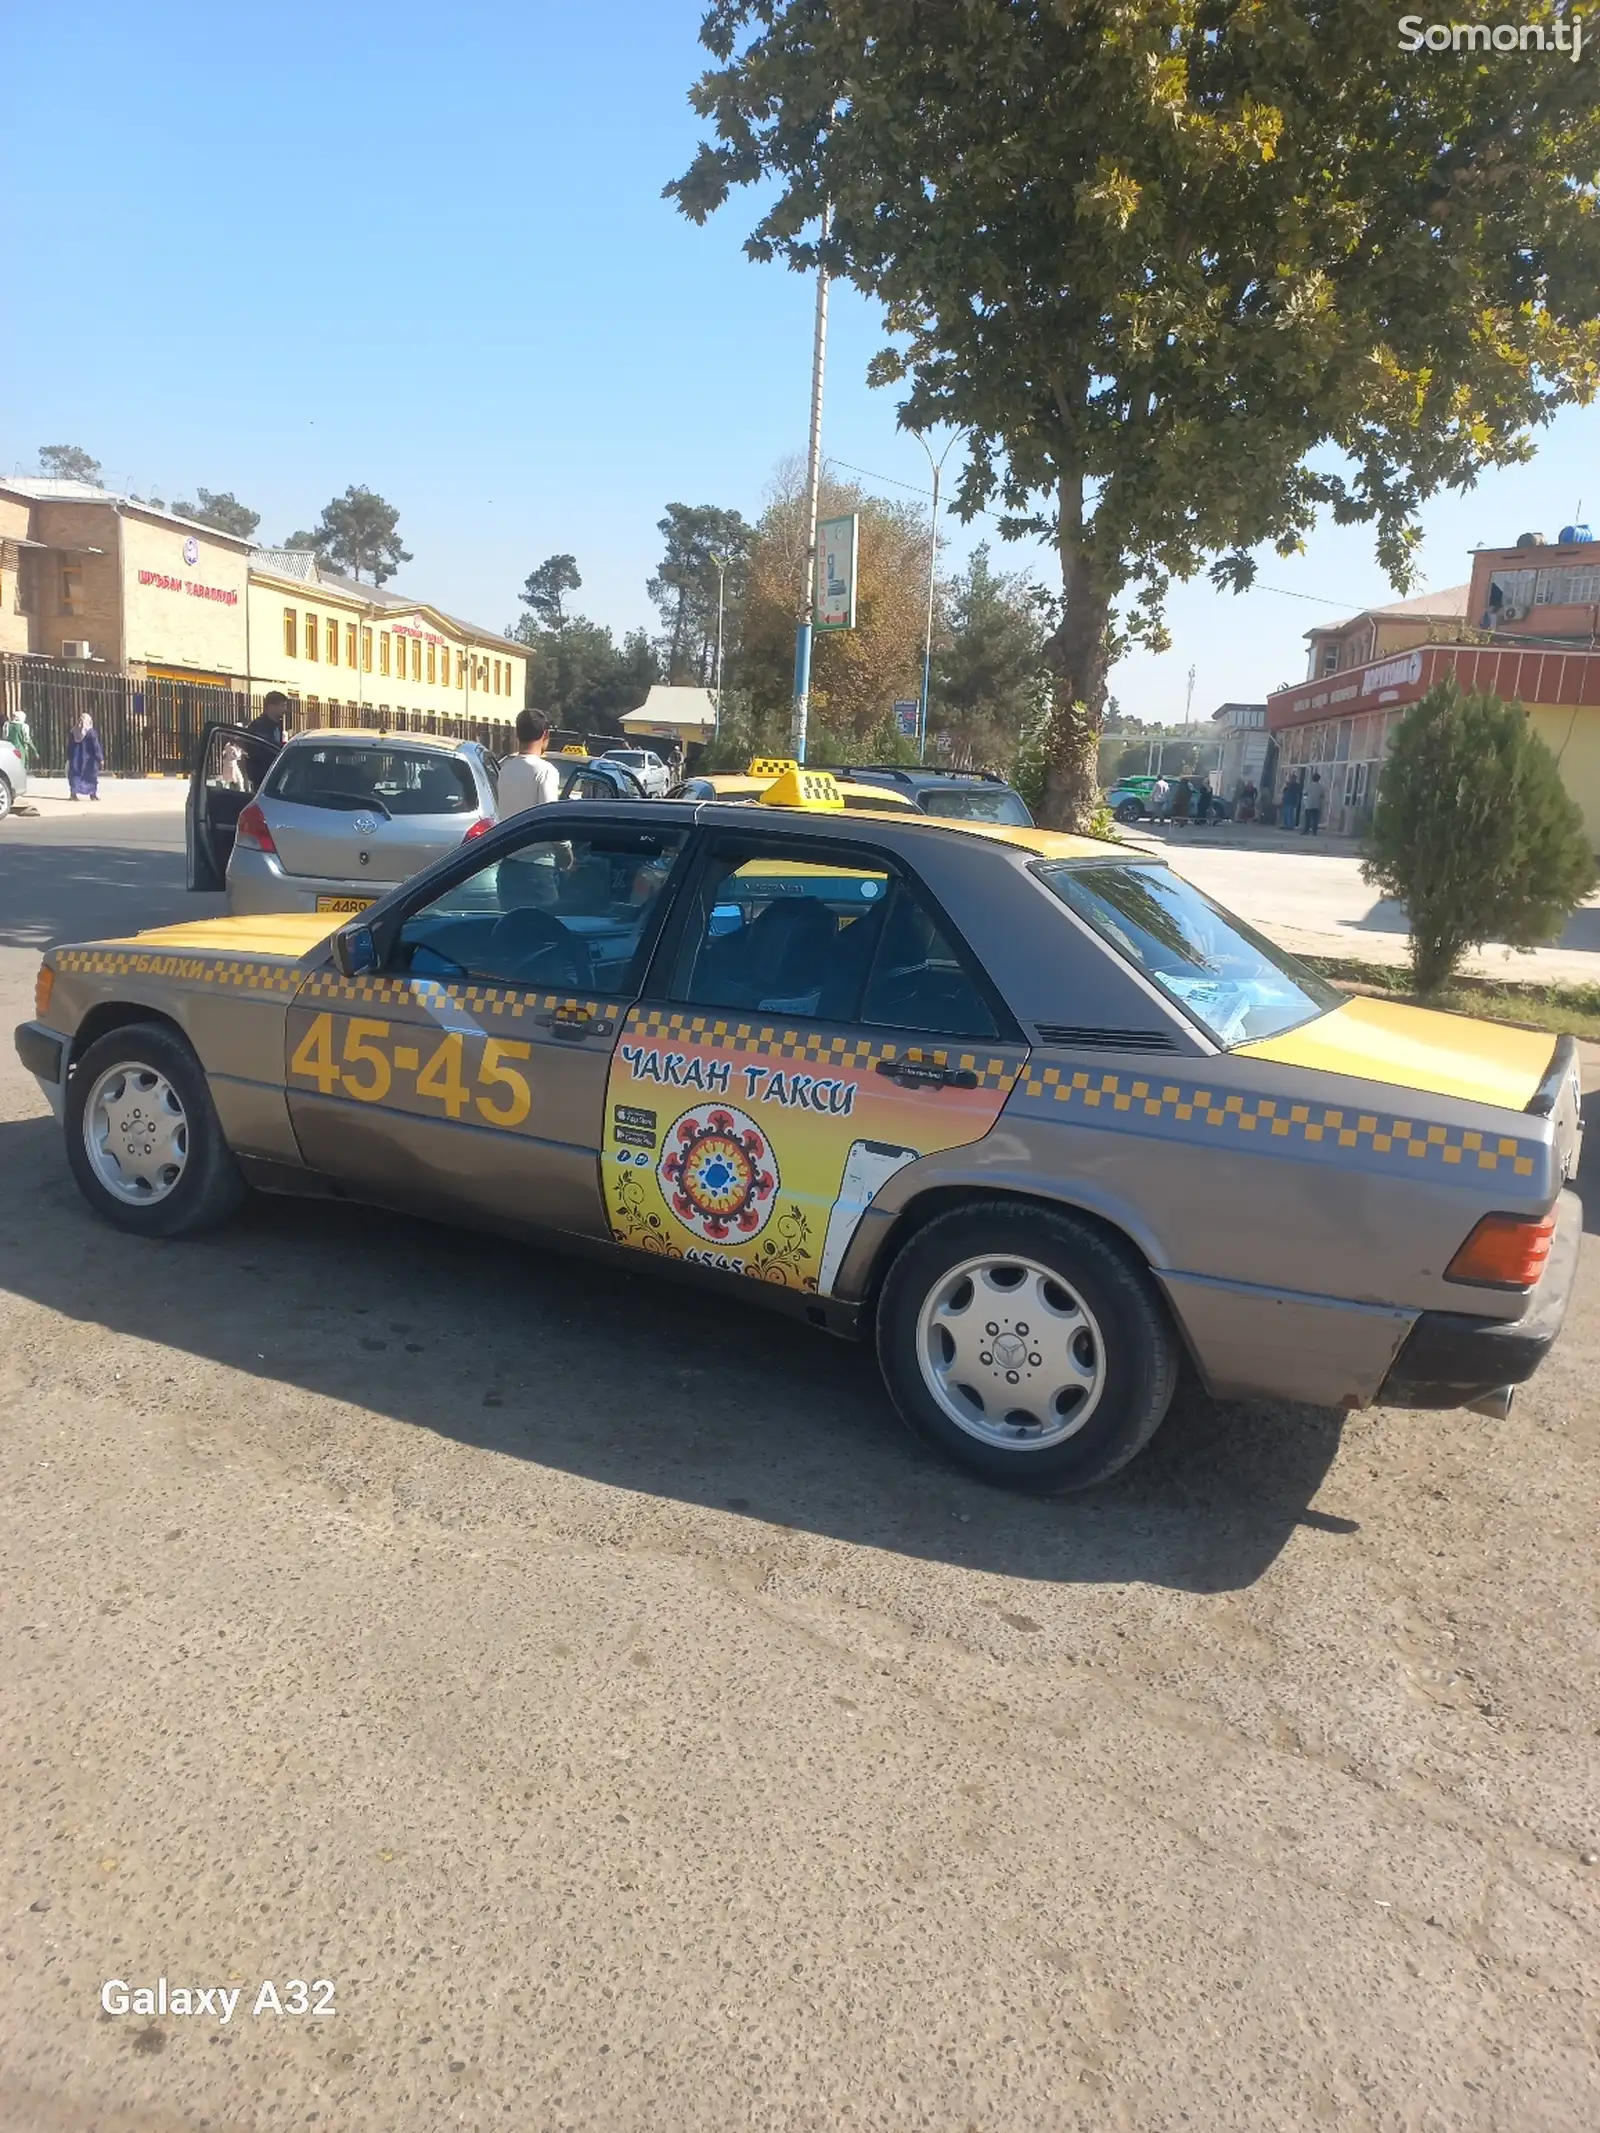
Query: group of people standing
[(1302, 801)]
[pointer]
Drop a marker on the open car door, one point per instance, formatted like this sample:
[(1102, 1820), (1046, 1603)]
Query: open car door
[(229, 764)]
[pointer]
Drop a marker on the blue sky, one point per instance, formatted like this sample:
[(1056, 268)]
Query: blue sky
[(282, 250)]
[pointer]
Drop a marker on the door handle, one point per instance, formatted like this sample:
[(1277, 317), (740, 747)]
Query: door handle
[(564, 1023), (924, 1074)]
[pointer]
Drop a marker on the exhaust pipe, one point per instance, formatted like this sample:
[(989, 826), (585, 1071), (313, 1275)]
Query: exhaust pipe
[(1496, 1405)]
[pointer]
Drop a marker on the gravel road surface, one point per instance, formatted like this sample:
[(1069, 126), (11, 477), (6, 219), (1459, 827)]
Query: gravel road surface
[(599, 1688)]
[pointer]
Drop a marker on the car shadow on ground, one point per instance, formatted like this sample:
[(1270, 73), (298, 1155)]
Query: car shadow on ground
[(644, 1385), (83, 891)]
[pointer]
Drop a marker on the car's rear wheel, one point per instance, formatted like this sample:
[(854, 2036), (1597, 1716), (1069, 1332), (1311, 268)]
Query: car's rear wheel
[(143, 1136), (1128, 810), (1026, 1346)]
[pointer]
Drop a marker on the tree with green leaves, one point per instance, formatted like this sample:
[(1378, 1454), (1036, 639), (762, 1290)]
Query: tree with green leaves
[(69, 462), (1474, 832), (547, 587), (223, 511), (989, 683), (1189, 274), (684, 588), (358, 532)]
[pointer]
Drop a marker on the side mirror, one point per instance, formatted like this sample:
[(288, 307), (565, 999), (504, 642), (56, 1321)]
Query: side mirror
[(355, 952)]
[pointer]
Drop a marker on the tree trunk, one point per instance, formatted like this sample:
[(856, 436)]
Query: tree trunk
[(1076, 657)]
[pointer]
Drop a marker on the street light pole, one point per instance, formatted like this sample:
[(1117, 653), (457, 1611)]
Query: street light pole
[(937, 468), (721, 562), (802, 638)]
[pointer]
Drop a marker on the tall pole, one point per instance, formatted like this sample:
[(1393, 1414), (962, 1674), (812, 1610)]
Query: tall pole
[(722, 567), (1188, 701), (802, 638), (927, 630), (936, 466)]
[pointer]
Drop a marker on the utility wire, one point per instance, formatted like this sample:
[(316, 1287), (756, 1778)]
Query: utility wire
[(916, 489)]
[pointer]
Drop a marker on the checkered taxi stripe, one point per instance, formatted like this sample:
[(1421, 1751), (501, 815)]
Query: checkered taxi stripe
[(192, 969), (771, 1040), (1273, 1119), (474, 999)]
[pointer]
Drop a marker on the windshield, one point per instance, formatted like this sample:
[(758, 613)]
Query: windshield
[(979, 803), (1237, 985)]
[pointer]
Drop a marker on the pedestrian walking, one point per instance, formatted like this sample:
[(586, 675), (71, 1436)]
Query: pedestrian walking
[(265, 729), (1311, 806), (1181, 793), (17, 733), (1291, 800), (527, 879), (85, 759)]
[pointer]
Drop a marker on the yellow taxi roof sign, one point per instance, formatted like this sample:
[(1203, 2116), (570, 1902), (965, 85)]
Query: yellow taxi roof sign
[(804, 788), (770, 766), (572, 749)]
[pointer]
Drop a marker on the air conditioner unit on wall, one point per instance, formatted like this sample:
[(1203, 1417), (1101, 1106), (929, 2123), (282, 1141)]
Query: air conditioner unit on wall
[(76, 648)]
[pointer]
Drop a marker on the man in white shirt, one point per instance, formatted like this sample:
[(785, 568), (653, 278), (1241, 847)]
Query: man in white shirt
[(527, 780)]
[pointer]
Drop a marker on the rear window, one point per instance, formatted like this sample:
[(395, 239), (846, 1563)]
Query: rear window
[(1235, 984), (401, 781), (978, 803)]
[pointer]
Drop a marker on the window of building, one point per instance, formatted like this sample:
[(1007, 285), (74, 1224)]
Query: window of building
[(1567, 588), (71, 588), (291, 633), (333, 642), (366, 651), (461, 670), (350, 644), (383, 653), (433, 658), (416, 659), (311, 636), (1330, 659)]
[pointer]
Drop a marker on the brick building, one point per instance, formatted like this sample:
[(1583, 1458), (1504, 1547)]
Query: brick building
[(1524, 626)]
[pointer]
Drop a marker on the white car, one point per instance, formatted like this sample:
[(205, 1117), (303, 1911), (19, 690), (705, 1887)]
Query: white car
[(13, 777), (646, 766)]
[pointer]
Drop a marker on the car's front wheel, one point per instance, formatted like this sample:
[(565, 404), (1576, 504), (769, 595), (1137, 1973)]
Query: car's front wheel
[(1025, 1345), (143, 1137), (1128, 810)]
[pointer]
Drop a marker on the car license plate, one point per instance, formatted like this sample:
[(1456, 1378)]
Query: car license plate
[(344, 903)]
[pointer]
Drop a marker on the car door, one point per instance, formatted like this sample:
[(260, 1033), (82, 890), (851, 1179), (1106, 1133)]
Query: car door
[(816, 1026), (228, 766), (468, 1073)]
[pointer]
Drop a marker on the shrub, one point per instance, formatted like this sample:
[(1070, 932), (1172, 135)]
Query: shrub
[(1474, 833)]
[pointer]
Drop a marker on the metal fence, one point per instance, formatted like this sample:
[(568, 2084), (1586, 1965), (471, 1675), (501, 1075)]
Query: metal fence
[(151, 728)]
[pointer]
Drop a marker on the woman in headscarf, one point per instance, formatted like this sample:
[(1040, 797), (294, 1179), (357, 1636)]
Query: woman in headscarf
[(85, 759)]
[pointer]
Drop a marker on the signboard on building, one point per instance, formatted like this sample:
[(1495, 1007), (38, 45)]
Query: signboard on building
[(906, 711), (1393, 673), (837, 546)]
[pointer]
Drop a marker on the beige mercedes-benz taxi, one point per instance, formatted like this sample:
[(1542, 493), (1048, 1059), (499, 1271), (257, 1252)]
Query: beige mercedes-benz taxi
[(1026, 1109)]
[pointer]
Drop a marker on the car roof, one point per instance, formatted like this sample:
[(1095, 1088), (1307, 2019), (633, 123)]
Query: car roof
[(853, 824), (364, 737)]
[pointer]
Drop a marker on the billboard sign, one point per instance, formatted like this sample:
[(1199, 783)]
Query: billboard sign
[(834, 606), (905, 717)]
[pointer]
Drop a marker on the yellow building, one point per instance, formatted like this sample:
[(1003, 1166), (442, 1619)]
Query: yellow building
[(86, 575), (341, 646)]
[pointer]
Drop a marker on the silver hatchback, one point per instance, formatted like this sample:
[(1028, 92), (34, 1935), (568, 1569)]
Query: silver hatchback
[(331, 820)]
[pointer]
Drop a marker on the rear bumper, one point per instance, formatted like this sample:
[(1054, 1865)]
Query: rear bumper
[(1450, 1358), (258, 885)]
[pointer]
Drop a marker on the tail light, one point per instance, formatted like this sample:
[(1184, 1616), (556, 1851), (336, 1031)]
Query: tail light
[(1504, 1252), (252, 831), (480, 828)]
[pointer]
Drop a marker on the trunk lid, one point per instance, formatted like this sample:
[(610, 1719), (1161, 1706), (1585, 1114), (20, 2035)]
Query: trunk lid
[(1417, 1048)]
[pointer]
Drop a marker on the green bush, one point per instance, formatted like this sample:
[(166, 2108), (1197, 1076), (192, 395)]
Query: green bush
[(1474, 833)]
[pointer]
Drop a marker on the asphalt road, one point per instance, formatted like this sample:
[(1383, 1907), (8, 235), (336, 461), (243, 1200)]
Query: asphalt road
[(639, 1731)]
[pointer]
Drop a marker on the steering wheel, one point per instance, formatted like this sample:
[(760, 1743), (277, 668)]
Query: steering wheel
[(525, 937)]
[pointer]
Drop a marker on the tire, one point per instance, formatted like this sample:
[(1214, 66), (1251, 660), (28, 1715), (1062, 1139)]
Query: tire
[(143, 1080), (1129, 811), (5, 797), (1080, 1320)]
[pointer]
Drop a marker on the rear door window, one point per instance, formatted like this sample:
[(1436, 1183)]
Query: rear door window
[(984, 803), (397, 781)]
